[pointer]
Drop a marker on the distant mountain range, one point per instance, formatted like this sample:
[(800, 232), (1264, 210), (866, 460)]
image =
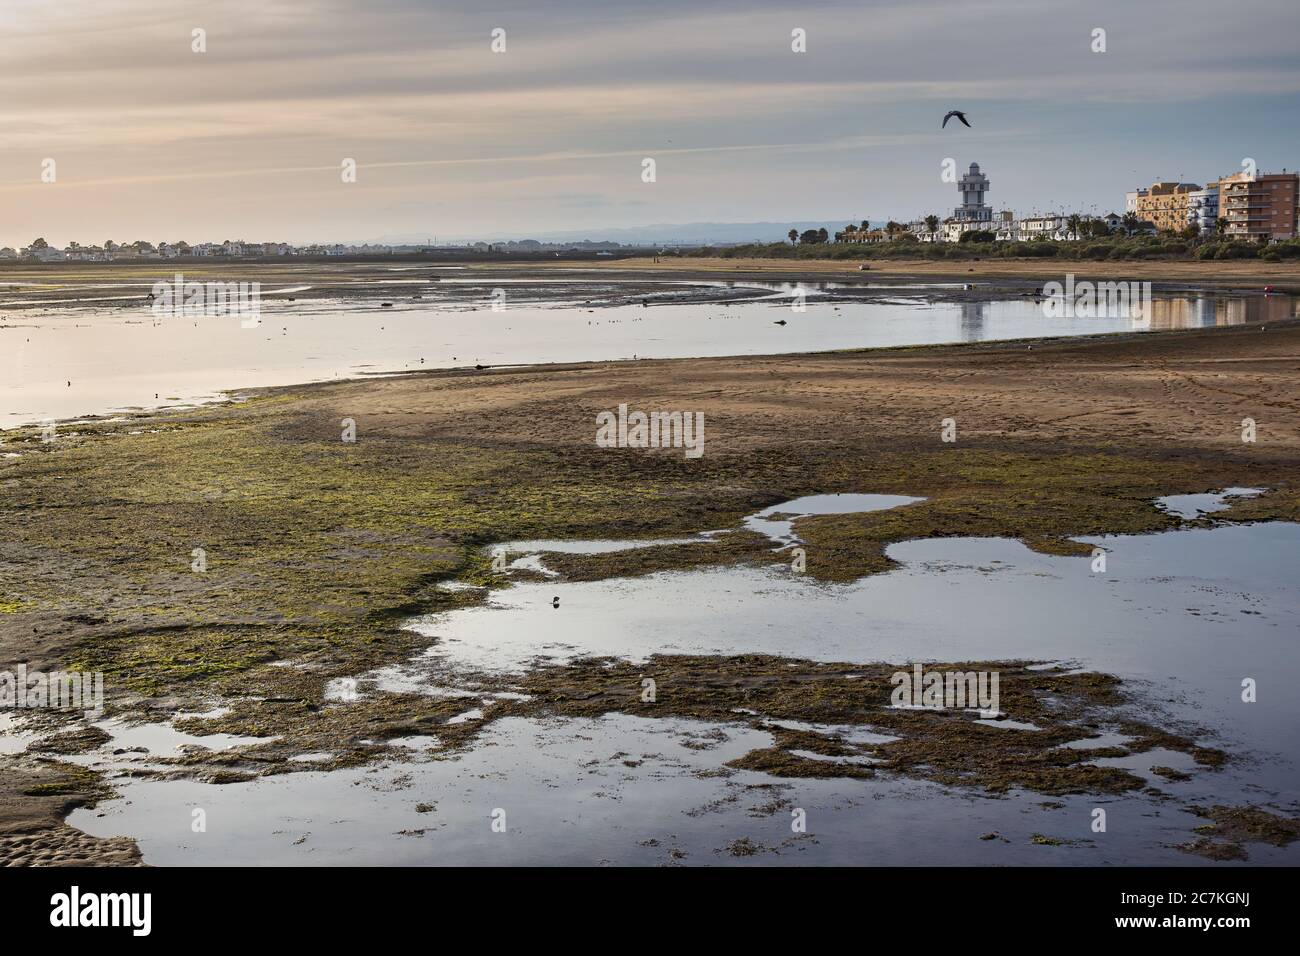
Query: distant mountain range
[(701, 233)]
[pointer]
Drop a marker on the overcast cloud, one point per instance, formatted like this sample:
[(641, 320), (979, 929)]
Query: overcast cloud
[(153, 141)]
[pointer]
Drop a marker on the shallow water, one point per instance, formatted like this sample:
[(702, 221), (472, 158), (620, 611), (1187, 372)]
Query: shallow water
[(777, 522), (1194, 506), (61, 363), (1182, 616), (629, 790)]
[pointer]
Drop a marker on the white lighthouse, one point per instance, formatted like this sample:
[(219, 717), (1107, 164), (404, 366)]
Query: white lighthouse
[(972, 187)]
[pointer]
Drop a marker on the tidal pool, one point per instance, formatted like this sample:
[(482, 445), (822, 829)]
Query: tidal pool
[(632, 791), (1198, 505), (1183, 617)]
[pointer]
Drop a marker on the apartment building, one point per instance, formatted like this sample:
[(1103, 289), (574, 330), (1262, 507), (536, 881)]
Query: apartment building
[(1259, 204), (1203, 208), (1165, 205)]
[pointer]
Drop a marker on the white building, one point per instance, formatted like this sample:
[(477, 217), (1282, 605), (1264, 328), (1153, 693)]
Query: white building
[(1203, 208), (1054, 227)]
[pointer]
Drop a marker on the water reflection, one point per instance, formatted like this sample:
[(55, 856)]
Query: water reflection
[(1190, 312), (972, 320)]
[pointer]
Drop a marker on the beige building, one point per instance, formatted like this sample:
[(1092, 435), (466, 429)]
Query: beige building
[(1165, 205), (1263, 204), (856, 234)]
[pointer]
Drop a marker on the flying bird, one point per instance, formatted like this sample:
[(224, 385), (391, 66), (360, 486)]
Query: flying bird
[(957, 113)]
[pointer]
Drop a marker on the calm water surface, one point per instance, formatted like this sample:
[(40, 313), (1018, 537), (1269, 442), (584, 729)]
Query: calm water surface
[(61, 363)]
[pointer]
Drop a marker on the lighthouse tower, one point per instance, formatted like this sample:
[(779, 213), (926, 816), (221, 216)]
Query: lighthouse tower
[(972, 187)]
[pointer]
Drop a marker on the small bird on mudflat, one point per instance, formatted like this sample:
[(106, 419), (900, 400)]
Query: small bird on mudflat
[(950, 114)]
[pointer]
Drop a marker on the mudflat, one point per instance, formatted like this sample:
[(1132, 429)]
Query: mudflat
[(317, 548), (1210, 273)]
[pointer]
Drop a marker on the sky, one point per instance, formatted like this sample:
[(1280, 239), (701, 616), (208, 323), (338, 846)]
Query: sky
[(247, 140)]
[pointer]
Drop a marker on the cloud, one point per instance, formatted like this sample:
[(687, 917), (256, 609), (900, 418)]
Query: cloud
[(410, 88)]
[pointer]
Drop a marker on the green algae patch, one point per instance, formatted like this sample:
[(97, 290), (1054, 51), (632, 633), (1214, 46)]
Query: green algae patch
[(951, 746), (1230, 827), (76, 741), (782, 763), (1247, 825), (826, 702), (313, 549), (1279, 503), (81, 785), (733, 547)]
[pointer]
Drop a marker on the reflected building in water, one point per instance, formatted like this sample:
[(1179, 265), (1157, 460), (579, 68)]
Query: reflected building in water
[(973, 318), (1191, 312)]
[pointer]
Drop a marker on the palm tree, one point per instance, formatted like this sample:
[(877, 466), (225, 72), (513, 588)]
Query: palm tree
[(932, 223), (1131, 222), (1072, 223), (1220, 226), (793, 236)]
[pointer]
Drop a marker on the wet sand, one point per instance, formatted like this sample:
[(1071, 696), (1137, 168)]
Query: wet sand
[(122, 284), (1230, 274)]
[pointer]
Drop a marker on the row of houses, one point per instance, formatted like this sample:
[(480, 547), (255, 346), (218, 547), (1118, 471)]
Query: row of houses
[(1004, 227), (113, 252), (1247, 204), (974, 215)]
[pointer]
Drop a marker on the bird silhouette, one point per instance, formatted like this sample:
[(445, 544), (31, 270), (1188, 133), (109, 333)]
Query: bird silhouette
[(950, 114)]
